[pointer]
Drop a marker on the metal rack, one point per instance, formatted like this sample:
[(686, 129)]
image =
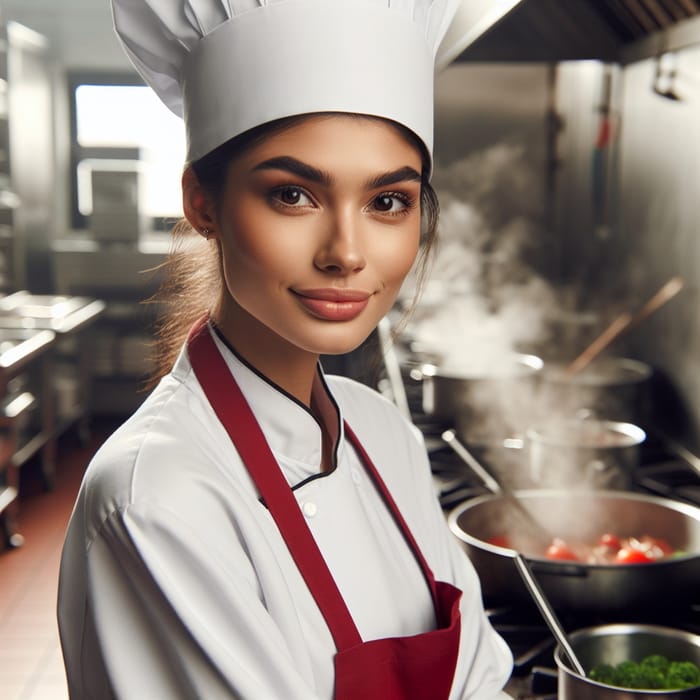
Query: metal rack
[(69, 320), (21, 352)]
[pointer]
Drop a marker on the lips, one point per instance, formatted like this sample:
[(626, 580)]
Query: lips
[(333, 304)]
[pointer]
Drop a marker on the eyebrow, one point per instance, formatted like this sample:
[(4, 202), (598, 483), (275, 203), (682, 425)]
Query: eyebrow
[(405, 174), (296, 167), (309, 172)]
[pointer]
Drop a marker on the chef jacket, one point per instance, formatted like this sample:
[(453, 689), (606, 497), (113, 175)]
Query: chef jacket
[(175, 582)]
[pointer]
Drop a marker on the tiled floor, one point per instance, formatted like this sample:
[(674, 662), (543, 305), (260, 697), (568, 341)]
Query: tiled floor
[(30, 661)]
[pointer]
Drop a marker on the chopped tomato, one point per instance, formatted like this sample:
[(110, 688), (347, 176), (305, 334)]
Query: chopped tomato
[(632, 555), (611, 541), (499, 541), (612, 549), (560, 550), (658, 543)]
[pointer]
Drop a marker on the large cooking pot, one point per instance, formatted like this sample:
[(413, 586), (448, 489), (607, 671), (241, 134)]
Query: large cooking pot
[(484, 399), (614, 388), (582, 516), (613, 644), (589, 453)]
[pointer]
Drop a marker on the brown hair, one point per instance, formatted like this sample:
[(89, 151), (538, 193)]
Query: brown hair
[(192, 274)]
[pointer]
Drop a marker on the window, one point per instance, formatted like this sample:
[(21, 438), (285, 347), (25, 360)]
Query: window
[(114, 118)]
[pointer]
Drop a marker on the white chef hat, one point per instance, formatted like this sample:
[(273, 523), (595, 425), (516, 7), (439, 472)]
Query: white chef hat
[(229, 65)]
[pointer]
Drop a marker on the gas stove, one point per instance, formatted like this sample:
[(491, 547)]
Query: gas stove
[(534, 674)]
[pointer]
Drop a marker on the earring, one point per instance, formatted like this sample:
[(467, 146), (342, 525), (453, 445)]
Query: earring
[(205, 233)]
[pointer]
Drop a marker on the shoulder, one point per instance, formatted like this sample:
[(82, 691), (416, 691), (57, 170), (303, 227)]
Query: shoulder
[(167, 453)]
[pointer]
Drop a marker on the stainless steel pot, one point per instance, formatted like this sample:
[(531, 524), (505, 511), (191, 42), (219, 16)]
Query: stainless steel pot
[(485, 401), (586, 453), (612, 644), (613, 388), (582, 516)]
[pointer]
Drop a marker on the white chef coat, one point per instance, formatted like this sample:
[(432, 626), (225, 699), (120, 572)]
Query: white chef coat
[(175, 582)]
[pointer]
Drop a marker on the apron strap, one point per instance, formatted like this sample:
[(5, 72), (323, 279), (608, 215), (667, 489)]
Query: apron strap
[(233, 411), (243, 429)]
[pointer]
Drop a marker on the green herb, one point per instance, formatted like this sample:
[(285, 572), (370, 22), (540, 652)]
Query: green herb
[(654, 672)]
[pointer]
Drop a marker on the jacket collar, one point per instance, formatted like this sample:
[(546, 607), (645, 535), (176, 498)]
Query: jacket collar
[(292, 431)]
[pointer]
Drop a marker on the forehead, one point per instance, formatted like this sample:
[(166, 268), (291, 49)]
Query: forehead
[(332, 140)]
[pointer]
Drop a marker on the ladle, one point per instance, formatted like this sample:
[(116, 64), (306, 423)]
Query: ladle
[(521, 563), (623, 322), (538, 532)]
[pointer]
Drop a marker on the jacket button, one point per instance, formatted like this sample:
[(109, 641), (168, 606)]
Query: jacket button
[(309, 509)]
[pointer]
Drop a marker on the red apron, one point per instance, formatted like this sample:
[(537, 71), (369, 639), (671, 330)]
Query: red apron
[(419, 667)]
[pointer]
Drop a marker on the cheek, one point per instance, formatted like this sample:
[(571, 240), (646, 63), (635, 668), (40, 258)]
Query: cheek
[(251, 240), (398, 257)]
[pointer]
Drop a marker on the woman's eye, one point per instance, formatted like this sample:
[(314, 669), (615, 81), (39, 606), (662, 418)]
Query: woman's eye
[(292, 196), (390, 203)]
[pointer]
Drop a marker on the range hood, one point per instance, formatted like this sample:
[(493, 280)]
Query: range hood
[(616, 31)]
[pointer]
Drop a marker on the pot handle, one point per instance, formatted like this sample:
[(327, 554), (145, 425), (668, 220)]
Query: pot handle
[(559, 569)]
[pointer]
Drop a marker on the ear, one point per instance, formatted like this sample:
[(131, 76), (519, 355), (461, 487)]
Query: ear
[(198, 205)]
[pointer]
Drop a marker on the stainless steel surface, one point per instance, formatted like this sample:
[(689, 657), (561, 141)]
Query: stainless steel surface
[(491, 484), (613, 388), (612, 644), (481, 401), (609, 30), (538, 595), (19, 347), (42, 344), (526, 518), (392, 366), (63, 314), (582, 516), (586, 453)]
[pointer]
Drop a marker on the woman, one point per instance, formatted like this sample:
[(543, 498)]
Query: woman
[(257, 529)]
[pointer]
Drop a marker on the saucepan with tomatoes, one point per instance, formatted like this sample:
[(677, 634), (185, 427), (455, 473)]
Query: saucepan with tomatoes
[(591, 550)]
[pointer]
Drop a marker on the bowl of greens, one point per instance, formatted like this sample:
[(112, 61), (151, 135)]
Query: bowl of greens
[(631, 661)]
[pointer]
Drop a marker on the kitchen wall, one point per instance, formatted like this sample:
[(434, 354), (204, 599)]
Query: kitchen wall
[(79, 31), (657, 227), (645, 228), (606, 172), (80, 36)]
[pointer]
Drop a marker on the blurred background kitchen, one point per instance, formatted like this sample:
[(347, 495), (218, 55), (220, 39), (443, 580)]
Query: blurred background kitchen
[(567, 163)]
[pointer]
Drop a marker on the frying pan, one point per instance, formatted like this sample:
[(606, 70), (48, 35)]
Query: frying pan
[(581, 516)]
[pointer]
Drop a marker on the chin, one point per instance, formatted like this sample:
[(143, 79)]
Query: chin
[(340, 345)]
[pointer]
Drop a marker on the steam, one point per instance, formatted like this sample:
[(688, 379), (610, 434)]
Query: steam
[(486, 304), (484, 299)]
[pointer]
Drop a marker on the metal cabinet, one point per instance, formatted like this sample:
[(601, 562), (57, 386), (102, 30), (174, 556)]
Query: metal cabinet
[(27, 170), (25, 424)]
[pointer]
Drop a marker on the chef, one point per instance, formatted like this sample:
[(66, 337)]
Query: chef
[(257, 529)]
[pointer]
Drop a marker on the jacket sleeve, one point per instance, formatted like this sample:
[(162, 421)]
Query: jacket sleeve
[(179, 617)]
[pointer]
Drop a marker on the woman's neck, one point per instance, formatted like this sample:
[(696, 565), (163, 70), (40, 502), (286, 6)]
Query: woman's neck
[(289, 367)]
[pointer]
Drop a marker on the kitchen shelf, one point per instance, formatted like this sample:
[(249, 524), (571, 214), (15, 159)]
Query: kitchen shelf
[(10, 412), (8, 496), (24, 374), (45, 372)]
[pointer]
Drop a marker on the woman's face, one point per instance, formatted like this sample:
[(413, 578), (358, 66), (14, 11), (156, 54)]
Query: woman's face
[(318, 226)]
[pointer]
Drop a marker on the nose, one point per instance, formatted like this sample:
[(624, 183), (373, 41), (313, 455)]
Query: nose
[(341, 251)]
